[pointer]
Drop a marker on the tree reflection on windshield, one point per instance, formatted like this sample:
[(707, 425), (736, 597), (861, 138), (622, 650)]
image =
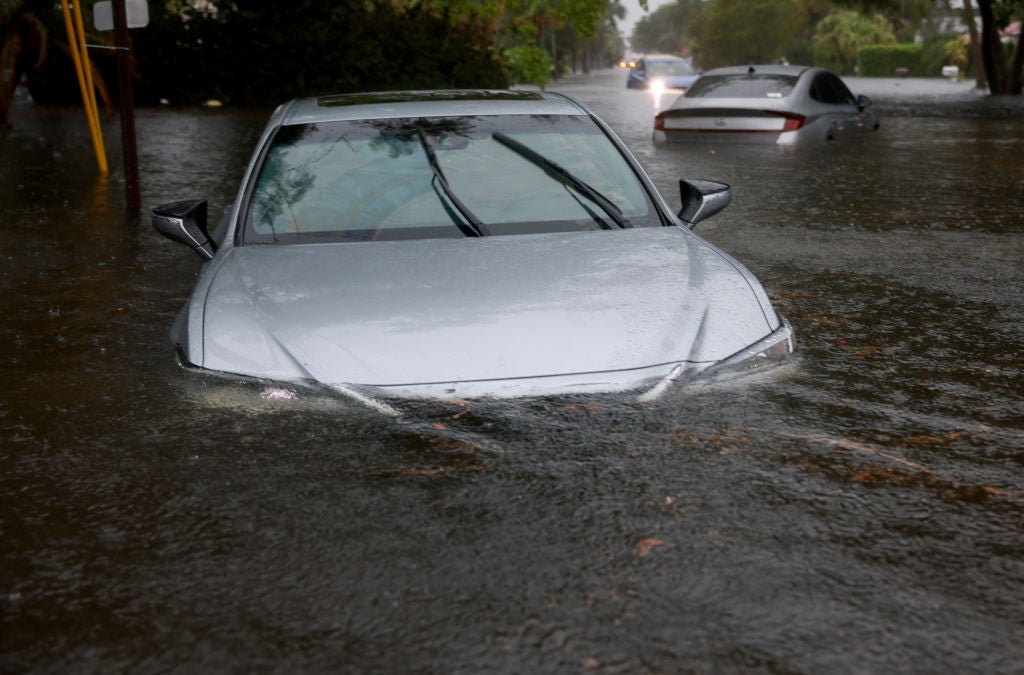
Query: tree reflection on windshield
[(424, 177)]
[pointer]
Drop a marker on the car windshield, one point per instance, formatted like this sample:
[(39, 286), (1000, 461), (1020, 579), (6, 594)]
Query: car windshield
[(664, 68), (742, 85), (414, 178)]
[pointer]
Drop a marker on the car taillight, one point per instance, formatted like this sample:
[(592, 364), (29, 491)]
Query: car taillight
[(659, 123), (793, 121)]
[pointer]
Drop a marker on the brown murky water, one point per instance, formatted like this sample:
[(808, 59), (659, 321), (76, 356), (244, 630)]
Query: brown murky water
[(861, 511)]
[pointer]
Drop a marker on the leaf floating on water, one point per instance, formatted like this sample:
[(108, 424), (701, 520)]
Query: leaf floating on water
[(644, 546), (439, 471), (451, 401), (972, 493), (909, 473), (848, 444), (932, 440), (405, 473), (866, 351)]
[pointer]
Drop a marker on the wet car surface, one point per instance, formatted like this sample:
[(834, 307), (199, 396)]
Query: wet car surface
[(863, 511), (785, 105), (463, 244)]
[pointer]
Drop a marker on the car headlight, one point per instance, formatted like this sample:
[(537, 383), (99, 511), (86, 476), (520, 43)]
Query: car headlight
[(657, 86), (763, 354), (766, 352)]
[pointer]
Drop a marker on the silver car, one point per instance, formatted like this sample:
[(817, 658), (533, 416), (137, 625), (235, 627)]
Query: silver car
[(766, 104), (462, 244)]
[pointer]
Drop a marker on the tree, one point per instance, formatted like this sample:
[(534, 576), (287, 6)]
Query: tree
[(610, 43), (564, 29), (341, 47), (981, 81), (34, 45), (22, 46), (748, 31), (840, 35), (1003, 63), (195, 51), (528, 64), (668, 28), (1004, 67)]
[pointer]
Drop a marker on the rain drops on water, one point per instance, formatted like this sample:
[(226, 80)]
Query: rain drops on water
[(277, 394)]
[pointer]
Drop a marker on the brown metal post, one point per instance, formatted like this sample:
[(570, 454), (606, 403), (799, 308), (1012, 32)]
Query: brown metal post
[(124, 78)]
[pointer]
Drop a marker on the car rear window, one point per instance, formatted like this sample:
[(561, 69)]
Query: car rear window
[(372, 179), (742, 85)]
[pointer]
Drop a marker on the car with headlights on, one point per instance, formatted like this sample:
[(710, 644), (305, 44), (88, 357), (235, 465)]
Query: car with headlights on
[(462, 244), (780, 104), (660, 73)]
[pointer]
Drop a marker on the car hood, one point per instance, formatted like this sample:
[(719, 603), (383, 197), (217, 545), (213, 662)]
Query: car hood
[(631, 304)]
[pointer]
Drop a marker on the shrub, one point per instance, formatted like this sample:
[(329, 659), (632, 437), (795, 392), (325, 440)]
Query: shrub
[(884, 60)]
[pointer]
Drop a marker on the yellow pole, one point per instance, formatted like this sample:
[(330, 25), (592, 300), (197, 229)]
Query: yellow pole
[(94, 113), (84, 83)]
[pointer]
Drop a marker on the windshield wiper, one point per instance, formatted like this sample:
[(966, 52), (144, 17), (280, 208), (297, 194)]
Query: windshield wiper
[(563, 176), (473, 227)]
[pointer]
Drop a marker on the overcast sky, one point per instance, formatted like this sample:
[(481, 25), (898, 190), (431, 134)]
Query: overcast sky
[(634, 13)]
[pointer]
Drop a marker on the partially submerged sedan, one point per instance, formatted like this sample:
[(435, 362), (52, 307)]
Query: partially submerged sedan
[(462, 244), (766, 104)]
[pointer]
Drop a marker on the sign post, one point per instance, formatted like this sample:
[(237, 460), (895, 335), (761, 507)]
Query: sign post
[(124, 80), (114, 15), (83, 69)]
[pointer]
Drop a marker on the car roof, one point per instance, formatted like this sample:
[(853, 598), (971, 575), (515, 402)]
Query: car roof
[(426, 103), (662, 57), (765, 69)]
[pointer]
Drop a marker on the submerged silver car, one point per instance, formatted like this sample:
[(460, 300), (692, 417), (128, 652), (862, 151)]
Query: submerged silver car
[(462, 244), (766, 104)]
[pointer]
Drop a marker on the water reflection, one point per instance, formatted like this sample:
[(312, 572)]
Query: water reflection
[(864, 509)]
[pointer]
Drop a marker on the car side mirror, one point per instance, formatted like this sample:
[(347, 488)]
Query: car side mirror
[(185, 223), (702, 199), (863, 102)]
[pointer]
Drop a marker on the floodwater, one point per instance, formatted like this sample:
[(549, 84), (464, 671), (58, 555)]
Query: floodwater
[(861, 510)]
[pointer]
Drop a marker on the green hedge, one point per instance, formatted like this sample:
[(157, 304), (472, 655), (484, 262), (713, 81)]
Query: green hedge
[(883, 60)]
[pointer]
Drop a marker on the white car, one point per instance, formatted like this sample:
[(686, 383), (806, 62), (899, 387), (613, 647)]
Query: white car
[(786, 105), (462, 244)]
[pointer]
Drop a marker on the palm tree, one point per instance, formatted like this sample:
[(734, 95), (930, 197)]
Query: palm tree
[(22, 40)]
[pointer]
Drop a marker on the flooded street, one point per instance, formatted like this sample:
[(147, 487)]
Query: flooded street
[(860, 511)]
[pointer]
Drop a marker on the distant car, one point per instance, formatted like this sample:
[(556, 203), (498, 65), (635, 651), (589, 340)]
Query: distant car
[(766, 104), (659, 73), (462, 244)]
